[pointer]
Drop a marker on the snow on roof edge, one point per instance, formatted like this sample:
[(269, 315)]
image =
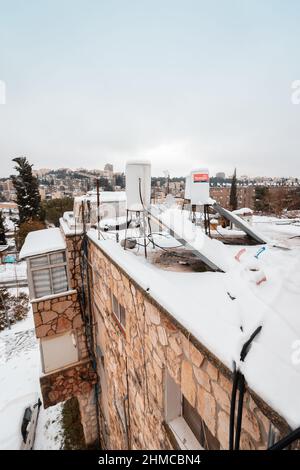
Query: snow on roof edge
[(42, 241)]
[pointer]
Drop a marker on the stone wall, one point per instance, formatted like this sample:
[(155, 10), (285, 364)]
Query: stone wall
[(74, 256), (60, 314), (86, 401), (87, 406), (135, 362), (57, 315), (75, 380)]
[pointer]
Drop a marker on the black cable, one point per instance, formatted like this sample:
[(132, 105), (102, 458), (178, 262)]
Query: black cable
[(169, 248), (241, 387), (144, 228), (239, 384), (232, 408), (247, 344), (286, 441)]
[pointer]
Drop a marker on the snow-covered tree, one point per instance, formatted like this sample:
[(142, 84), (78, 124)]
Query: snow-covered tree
[(2, 230), (27, 188)]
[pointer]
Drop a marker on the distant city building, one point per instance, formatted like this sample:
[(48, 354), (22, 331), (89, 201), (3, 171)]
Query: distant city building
[(221, 175), (41, 172), (245, 196), (109, 167), (42, 191)]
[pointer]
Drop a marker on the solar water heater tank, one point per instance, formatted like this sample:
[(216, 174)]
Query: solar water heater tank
[(138, 185), (187, 189), (199, 186)]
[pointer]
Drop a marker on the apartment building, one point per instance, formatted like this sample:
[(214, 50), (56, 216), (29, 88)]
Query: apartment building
[(246, 196), (145, 348)]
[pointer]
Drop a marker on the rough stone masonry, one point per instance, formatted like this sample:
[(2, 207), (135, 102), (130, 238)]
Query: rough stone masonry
[(134, 364)]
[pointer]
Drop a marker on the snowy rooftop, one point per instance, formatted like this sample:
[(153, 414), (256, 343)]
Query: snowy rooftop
[(42, 241), (255, 290), (243, 211)]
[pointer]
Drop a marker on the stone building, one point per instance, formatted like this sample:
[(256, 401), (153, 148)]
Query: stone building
[(245, 195), (134, 354)]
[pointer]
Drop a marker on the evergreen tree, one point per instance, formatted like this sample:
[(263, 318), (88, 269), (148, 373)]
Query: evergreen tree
[(27, 188), (55, 208), (233, 201), (2, 230), (120, 180), (25, 228), (262, 199)]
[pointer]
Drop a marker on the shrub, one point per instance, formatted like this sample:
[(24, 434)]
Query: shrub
[(14, 308)]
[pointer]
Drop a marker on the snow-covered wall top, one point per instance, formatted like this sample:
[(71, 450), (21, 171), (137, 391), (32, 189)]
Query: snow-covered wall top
[(222, 310), (42, 241)]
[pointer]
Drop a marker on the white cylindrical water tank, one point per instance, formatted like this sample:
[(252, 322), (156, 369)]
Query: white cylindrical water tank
[(187, 189), (138, 184), (199, 182)]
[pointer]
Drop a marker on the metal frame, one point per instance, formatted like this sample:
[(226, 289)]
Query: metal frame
[(48, 266), (239, 223), (180, 407), (183, 242), (117, 315)]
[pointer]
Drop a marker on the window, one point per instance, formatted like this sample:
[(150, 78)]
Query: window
[(198, 426), (118, 311), (185, 422), (49, 274)]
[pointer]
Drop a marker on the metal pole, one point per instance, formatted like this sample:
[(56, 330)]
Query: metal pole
[(144, 230), (98, 206), (126, 229)]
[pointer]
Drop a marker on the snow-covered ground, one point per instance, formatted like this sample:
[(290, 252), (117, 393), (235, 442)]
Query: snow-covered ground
[(278, 229), (9, 224), (49, 433), (13, 272), (19, 388)]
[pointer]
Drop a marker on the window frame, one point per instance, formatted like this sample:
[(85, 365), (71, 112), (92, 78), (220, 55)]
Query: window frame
[(49, 267), (174, 418), (117, 315)]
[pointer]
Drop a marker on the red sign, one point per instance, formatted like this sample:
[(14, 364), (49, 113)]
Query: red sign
[(201, 177)]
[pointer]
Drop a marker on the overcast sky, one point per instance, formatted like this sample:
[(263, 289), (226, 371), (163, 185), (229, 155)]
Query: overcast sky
[(184, 83)]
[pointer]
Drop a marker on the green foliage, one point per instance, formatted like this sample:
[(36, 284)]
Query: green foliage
[(27, 188), (105, 184), (15, 307), (233, 201), (262, 199), (55, 208), (25, 228), (2, 230), (163, 180), (72, 427), (120, 181)]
